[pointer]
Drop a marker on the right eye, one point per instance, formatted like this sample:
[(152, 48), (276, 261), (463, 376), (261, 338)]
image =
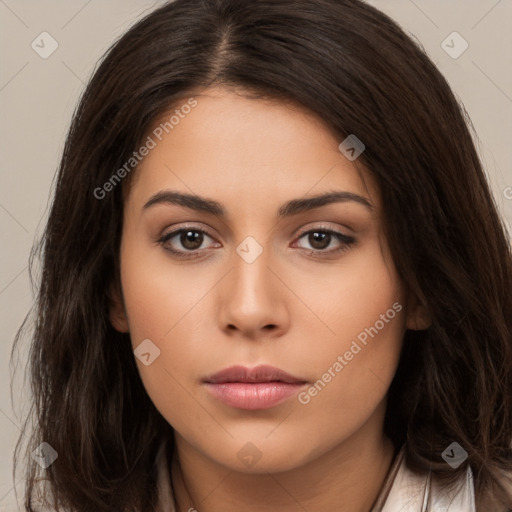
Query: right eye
[(190, 238)]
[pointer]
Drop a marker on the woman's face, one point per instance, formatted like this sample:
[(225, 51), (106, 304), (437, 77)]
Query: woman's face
[(307, 287)]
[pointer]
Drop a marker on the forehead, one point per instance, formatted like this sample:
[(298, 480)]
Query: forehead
[(249, 152)]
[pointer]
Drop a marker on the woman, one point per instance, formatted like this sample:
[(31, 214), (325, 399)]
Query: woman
[(274, 277)]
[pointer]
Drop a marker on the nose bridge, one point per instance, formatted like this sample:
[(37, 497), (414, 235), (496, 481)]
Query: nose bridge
[(252, 297), (251, 276)]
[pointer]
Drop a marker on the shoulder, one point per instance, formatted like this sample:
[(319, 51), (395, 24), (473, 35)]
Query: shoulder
[(410, 491)]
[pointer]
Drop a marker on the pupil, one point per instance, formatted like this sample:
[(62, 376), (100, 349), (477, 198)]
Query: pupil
[(191, 239), (317, 239)]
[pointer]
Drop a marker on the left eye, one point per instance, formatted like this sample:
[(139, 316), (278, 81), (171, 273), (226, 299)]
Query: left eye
[(320, 239)]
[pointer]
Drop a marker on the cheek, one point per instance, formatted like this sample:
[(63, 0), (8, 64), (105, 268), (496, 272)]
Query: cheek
[(355, 358), (158, 294), (352, 296), (160, 299), (160, 304)]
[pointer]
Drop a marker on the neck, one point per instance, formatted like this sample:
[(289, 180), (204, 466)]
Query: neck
[(351, 473)]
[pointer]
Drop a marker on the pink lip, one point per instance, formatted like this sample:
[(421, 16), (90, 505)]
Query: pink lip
[(261, 387)]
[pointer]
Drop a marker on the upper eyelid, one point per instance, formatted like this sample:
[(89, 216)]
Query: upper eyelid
[(196, 227), (174, 231)]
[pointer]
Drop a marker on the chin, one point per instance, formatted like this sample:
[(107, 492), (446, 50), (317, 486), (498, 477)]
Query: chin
[(260, 456)]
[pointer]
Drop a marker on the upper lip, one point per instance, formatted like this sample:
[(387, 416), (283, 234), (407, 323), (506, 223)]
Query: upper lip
[(262, 373)]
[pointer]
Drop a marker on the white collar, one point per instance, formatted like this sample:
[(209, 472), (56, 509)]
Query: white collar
[(408, 491)]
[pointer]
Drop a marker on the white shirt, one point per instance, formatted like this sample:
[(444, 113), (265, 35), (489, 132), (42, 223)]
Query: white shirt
[(406, 491)]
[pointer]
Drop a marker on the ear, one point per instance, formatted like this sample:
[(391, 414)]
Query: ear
[(418, 314), (117, 312)]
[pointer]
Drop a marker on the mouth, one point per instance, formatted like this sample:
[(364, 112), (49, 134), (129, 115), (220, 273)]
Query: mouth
[(261, 387), (258, 374)]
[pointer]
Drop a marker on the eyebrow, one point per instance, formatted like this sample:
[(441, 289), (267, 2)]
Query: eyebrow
[(292, 207)]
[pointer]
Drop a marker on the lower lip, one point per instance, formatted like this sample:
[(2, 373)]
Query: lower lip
[(260, 395)]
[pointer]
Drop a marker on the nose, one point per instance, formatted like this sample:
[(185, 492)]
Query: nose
[(253, 299)]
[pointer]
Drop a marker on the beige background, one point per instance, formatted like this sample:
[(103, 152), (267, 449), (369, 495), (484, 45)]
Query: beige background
[(38, 96)]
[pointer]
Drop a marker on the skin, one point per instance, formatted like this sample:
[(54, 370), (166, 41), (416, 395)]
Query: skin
[(291, 308)]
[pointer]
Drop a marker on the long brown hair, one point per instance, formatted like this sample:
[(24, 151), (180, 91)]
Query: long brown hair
[(358, 71)]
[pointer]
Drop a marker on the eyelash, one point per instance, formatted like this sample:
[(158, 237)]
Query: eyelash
[(346, 240)]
